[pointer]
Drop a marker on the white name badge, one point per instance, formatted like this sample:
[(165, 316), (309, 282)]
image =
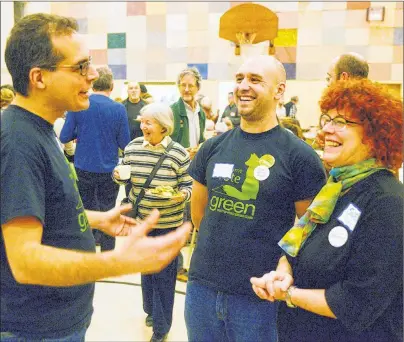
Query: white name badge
[(223, 170), (261, 173), (338, 236), (350, 216)]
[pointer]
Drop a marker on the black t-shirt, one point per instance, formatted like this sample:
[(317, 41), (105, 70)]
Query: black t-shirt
[(133, 111), (357, 257), (251, 203), (36, 180)]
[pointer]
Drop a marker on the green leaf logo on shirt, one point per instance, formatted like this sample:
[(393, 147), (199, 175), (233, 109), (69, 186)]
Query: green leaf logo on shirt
[(249, 190)]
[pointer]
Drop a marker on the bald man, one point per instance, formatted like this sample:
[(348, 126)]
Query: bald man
[(133, 105), (249, 183), (347, 66)]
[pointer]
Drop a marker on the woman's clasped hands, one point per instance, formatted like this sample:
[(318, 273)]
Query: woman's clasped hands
[(272, 286)]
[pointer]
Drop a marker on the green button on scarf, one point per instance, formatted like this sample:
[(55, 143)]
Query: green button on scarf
[(320, 210)]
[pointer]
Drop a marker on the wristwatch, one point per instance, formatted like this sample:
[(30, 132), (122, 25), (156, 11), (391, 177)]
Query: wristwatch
[(288, 297)]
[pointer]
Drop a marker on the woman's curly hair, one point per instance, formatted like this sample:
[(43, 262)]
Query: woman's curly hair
[(380, 112)]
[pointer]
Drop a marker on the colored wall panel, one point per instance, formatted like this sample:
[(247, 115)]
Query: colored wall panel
[(290, 71), (358, 5), (153, 8), (202, 68), (83, 25), (286, 54), (286, 37), (119, 71), (398, 36), (136, 8), (116, 40), (99, 57), (117, 56)]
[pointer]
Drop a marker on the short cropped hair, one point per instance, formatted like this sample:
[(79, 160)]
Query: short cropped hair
[(30, 45), (9, 87), (105, 80), (379, 111), (193, 72), (161, 113), (7, 96), (352, 64)]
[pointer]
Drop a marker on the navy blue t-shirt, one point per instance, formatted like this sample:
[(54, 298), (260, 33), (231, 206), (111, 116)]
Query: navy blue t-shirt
[(36, 180), (253, 182)]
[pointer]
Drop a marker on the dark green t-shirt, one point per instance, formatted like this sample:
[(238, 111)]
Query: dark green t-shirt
[(36, 180), (253, 182)]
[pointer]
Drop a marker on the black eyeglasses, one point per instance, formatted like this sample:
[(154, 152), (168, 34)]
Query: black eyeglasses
[(339, 122), (83, 67)]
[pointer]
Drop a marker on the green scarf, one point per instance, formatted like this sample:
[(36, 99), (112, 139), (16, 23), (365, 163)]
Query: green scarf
[(320, 210)]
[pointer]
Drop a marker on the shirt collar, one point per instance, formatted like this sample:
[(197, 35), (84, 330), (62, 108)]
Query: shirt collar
[(164, 142), (188, 107)]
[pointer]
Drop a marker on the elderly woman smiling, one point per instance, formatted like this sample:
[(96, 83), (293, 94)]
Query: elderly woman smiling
[(342, 273), (142, 154)]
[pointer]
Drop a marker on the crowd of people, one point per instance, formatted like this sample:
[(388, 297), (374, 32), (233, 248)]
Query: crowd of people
[(291, 246)]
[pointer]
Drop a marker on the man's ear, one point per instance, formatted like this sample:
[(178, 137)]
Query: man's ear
[(37, 78), (280, 90), (344, 76)]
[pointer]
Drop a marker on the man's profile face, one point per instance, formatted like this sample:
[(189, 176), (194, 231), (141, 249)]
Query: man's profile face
[(66, 88), (188, 88), (134, 91), (331, 75)]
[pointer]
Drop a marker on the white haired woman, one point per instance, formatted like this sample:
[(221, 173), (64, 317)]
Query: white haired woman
[(142, 154)]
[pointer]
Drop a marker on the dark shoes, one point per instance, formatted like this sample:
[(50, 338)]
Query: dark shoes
[(156, 338), (149, 321)]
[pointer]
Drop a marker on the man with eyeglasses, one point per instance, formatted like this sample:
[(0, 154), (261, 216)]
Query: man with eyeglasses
[(101, 130), (189, 128), (189, 117), (47, 250)]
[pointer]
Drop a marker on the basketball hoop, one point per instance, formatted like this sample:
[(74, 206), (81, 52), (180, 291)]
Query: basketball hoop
[(246, 47), (247, 25)]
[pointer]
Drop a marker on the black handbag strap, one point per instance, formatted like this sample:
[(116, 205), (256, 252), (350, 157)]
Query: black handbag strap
[(149, 179)]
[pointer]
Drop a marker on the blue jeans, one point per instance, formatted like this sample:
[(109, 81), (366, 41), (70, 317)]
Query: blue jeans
[(77, 336), (216, 316)]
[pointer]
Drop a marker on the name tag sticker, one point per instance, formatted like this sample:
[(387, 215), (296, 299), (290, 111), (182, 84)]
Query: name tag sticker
[(350, 216), (223, 170)]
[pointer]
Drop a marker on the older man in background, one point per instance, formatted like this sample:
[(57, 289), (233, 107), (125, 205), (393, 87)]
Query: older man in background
[(133, 105), (189, 117)]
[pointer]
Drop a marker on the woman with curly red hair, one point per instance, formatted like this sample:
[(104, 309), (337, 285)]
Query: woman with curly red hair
[(341, 274)]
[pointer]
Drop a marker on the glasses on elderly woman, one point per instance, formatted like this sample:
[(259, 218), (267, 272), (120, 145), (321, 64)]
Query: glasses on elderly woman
[(339, 122)]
